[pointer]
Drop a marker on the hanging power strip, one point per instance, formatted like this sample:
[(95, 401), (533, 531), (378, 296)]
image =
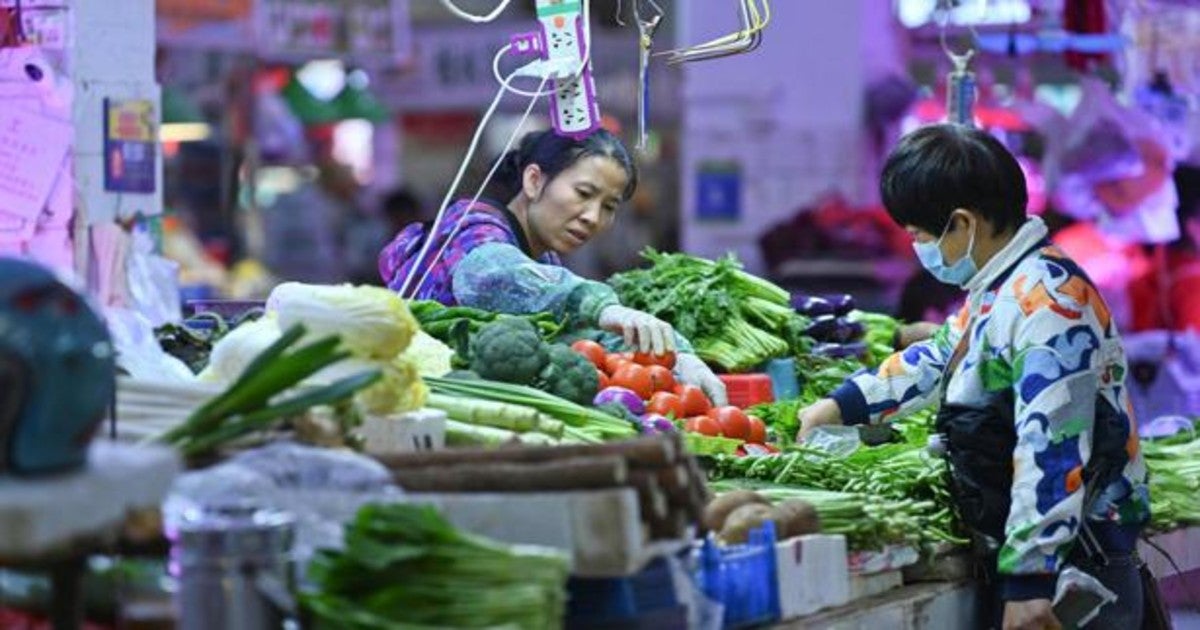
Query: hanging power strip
[(562, 47)]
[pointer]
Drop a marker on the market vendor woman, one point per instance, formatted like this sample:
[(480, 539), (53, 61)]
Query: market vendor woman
[(1030, 376), (549, 196)]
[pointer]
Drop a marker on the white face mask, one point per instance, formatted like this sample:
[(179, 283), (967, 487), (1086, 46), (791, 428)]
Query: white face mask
[(958, 273)]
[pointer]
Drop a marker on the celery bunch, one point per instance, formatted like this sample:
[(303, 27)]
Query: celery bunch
[(405, 566)]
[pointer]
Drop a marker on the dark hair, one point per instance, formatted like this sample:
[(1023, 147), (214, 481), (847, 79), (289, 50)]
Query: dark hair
[(940, 168), (402, 204), (554, 154), (1187, 185)]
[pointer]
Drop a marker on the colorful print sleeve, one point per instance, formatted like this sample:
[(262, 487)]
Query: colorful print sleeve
[(499, 277), (1058, 344), (904, 382)]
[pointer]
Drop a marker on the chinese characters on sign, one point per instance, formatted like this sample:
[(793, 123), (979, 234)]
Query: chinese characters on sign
[(357, 27), (32, 148), (130, 137)]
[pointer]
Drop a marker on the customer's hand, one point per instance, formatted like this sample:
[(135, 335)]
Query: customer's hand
[(1033, 614), (822, 412), (691, 370), (915, 333), (642, 331)]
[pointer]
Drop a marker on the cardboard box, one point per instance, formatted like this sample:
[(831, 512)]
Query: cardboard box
[(813, 574)]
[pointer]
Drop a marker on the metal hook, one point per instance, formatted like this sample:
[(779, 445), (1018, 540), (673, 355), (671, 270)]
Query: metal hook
[(617, 17)]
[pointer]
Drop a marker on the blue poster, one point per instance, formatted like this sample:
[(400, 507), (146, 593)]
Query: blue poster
[(130, 146), (719, 191)]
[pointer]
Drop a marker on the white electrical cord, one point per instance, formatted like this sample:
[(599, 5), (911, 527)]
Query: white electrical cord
[(587, 58), (471, 17), (505, 86), (431, 233)]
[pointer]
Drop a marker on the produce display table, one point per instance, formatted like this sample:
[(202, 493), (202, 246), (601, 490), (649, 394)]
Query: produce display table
[(933, 605), (53, 524), (1184, 547)]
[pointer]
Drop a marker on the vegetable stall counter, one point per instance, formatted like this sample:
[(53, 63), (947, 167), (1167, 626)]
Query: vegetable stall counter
[(931, 605), (1183, 545)]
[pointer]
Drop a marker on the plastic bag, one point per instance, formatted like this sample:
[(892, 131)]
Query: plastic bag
[(138, 350), (153, 281), (1164, 373), (1114, 167), (321, 488), (839, 441), (296, 466), (1079, 597)]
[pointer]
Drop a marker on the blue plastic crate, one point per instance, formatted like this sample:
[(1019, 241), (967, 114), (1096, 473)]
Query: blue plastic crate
[(621, 599), (742, 578)]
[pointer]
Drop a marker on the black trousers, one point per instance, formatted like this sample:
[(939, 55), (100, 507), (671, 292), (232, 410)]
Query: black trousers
[(1117, 570)]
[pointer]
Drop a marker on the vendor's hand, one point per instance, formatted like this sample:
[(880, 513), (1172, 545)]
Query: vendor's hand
[(642, 331), (822, 412), (1033, 614), (691, 370)]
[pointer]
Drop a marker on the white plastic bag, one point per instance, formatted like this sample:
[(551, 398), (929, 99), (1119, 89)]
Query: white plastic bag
[(153, 281), (138, 351), (1079, 597), (1115, 168)]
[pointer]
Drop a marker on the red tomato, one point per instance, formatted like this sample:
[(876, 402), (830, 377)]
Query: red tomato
[(703, 425), (734, 422), (635, 378), (758, 431), (665, 404), (604, 383), (695, 403), (666, 359), (663, 379), (613, 363), (591, 350)]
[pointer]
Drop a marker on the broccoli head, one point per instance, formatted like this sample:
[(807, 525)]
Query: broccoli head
[(569, 375), (510, 350)]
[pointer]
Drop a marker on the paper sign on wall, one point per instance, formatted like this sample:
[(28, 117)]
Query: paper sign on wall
[(32, 148), (130, 141)]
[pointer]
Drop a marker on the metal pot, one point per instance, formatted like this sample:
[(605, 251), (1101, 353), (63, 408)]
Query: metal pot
[(234, 568)]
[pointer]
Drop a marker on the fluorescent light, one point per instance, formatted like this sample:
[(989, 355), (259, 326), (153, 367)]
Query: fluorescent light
[(184, 132)]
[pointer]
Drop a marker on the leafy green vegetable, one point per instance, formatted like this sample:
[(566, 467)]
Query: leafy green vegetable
[(405, 566), (880, 337), (453, 325), (508, 350), (902, 488), (246, 406), (1174, 466), (733, 319)]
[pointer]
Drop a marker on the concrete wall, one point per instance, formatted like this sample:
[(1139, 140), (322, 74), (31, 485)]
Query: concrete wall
[(788, 115)]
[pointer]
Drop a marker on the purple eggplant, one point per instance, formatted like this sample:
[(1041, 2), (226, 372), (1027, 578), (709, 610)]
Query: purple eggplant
[(847, 331), (621, 396), (841, 350), (815, 307), (842, 304), (822, 328)]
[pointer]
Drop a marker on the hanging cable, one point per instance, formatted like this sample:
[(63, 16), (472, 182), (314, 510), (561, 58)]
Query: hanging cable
[(471, 17), (587, 58), (754, 20), (430, 236), (646, 25), (960, 83)]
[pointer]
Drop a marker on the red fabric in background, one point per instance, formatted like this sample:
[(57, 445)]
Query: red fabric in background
[(13, 619), (1085, 17)]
